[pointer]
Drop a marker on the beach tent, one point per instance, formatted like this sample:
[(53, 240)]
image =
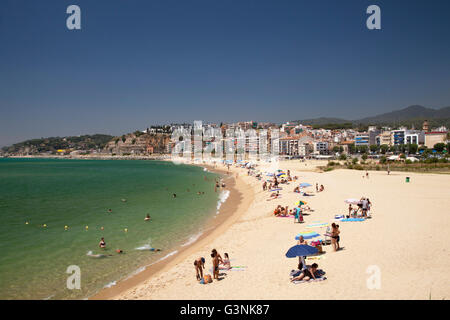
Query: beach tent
[(352, 201)]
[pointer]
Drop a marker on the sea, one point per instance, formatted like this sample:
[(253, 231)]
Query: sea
[(53, 213)]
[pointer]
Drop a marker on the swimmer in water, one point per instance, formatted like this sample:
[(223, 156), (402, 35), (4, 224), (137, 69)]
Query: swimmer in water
[(153, 249), (102, 243), (174, 195), (109, 210), (147, 218), (90, 254), (119, 251)]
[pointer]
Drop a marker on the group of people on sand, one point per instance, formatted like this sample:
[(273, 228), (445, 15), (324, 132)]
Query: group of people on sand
[(319, 189), (362, 208), (218, 263)]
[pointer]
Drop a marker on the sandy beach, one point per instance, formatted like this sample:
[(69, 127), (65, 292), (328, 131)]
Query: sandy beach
[(406, 239)]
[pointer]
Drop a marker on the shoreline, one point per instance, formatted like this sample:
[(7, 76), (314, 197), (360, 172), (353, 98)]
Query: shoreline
[(237, 203)]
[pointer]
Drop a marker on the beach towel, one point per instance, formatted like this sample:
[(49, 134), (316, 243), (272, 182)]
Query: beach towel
[(238, 268), (285, 216), (318, 224), (315, 257), (352, 219), (311, 280), (320, 276)]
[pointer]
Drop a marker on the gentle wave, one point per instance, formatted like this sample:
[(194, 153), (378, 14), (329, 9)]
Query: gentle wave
[(192, 239), (168, 255), (222, 198), (111, 284)]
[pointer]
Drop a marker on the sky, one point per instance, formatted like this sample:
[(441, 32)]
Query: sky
[(137, 63)]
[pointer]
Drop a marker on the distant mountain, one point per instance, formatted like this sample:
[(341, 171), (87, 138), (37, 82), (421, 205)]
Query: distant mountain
[(409, 116), (323, 120), (409, 113)]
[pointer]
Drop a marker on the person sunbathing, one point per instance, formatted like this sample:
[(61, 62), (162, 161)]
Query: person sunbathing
[(225, 263), (307, 274), (297, 190), (275, 194)]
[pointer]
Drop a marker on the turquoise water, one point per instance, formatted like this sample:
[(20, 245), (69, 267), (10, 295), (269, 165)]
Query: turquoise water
[(78, 193)]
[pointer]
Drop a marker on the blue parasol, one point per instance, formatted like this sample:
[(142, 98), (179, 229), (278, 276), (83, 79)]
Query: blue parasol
[(301, 250)]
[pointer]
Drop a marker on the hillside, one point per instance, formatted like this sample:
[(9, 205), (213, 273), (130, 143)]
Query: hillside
[(138, 143), (409, 116), (53, 144)]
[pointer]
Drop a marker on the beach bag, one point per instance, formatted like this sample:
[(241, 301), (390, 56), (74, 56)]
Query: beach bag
[(207, 278)]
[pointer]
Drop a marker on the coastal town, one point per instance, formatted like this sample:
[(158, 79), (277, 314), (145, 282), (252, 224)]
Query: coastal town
[(295, 141)]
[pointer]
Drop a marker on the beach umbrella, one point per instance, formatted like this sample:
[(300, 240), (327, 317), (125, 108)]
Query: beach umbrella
[(300, 203), (307, 235), (305, 184), (352, 201), (281, 174), (301, 250)]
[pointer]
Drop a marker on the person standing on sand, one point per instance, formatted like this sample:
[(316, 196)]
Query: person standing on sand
[(216, 259), (335, 236), (199, 266), (317, 187)]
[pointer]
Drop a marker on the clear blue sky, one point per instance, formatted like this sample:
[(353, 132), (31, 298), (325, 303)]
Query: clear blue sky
[(136, 63)]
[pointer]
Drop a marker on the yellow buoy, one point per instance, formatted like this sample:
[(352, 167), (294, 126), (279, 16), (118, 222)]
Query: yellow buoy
[(101, 228), (44, 225), (26, 222), (66, 227), (87, 227), (126, 230)]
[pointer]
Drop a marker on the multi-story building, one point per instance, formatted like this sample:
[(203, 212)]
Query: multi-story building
[(362, 139), (398, 137), (433, 137), (373, 133), (414, 137), (383, 138), (320, 147)]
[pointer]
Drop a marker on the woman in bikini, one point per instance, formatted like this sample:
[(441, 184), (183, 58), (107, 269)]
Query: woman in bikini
[(307, 274), (335, 236), (226, 262)]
